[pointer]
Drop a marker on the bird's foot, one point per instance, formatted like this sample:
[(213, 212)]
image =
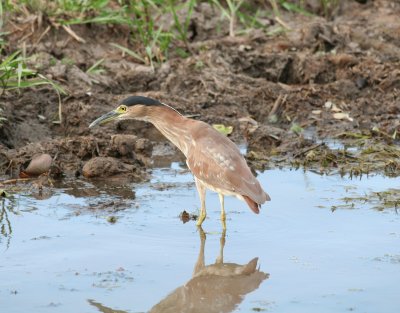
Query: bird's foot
[(201, 218)]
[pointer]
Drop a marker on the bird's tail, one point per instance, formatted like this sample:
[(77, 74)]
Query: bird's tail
[(254, 206)]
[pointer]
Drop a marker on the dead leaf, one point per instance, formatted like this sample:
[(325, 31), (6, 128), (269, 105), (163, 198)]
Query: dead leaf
[(248, 123), (342, 116)]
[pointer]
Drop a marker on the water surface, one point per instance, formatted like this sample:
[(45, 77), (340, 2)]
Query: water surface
[(314, 251)]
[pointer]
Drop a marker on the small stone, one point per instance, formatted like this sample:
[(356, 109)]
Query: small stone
[(40, 164)]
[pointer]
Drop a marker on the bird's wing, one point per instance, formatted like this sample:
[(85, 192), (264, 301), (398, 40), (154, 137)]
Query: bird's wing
[(217, 161)]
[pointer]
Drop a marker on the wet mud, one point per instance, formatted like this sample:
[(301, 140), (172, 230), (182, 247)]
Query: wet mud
[(289, 94)]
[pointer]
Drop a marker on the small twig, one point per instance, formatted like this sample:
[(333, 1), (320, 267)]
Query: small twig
[(280, 21), (9, 164), (278, 103), (59, 107), (97, 148), (309, 149), (73, 34), (232, 22), (328, 40), (56, 155), (275, 7), (42, 35), (15, 26), (192, 115), (15, 180), (23, 39), (209, 91)]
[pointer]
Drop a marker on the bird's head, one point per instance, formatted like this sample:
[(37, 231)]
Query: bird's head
[(135, 107)]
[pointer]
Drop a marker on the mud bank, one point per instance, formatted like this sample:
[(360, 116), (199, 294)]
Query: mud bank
[(319, 93)]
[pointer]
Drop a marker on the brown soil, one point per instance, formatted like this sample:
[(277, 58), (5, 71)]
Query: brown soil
[(287, 95)]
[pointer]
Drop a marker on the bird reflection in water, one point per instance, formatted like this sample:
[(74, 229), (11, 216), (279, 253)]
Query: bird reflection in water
[(218, 287)]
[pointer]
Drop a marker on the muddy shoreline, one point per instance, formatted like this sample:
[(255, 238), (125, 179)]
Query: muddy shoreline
[(323, 95)]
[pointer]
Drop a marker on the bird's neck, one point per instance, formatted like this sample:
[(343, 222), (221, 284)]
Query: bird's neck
[(173, 126)]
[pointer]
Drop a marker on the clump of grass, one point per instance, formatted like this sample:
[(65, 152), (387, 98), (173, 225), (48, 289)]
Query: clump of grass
[(230, 12), (300, 7), (73, 11), (157, 27), (15, 75), (153, 39), (182, 27), (329, 6)]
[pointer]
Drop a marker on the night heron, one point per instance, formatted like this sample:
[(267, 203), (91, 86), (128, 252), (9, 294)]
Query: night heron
[(214, 160)]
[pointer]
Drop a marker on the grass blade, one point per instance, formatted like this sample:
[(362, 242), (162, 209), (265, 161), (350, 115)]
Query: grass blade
[(129, 52), (93, 68)]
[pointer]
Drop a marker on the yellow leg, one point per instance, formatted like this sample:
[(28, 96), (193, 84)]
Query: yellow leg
[(202, 194), (223, 215), (201, 218)]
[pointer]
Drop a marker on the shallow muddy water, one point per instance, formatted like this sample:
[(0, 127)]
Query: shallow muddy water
[(317, 252)]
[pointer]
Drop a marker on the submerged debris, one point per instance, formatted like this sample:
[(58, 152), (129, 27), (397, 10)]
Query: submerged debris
[(380, 201), (112, 219), (355, 159), (4, 193), (186, 217)]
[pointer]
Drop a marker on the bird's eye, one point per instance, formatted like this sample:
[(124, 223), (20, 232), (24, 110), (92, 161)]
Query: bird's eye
[(122, 108)]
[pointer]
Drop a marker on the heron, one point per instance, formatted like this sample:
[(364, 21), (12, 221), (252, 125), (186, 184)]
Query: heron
[(214, 160)]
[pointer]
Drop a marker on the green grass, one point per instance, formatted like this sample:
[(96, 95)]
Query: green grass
[(182, 27), (300, 7), (1, 15), (230, 12), (14, 74), (158, 28), (96, 68)]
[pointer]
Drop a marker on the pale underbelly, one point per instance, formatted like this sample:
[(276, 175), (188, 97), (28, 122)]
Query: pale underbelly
[(221, 191)]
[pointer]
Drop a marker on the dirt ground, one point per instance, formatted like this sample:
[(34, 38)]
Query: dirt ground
[(324, 94)]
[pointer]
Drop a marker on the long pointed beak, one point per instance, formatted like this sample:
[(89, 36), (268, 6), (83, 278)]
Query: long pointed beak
[(108, 117)]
